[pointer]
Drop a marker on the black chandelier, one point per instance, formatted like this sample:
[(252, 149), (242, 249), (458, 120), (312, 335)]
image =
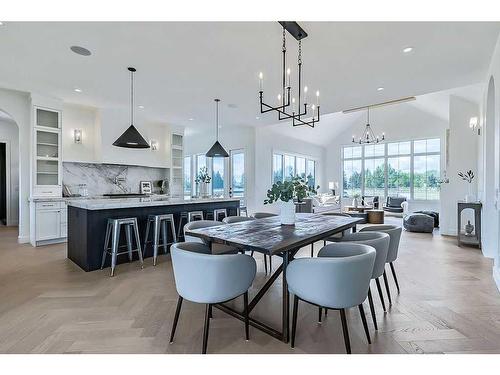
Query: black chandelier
[(284, 98), (368, 135)]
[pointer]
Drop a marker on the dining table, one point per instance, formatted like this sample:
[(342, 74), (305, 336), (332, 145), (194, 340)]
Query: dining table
[(270, 237)]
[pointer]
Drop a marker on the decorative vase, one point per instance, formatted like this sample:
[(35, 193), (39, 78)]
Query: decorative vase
[(469, 198), (355, 202), (203, 190), (469, 228), (287, 213)]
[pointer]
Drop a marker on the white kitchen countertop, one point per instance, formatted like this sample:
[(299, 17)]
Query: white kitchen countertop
[(107, 203)]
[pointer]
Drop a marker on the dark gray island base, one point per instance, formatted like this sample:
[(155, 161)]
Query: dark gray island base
[(87, 224)]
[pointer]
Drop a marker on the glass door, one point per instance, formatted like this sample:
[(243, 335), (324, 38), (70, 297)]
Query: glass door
[(237, 175), (47, 158)]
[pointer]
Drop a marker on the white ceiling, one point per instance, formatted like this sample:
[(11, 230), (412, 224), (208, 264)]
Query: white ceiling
[(182, 66)]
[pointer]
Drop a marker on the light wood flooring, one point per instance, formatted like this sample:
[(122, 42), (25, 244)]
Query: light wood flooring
[(448, 304)]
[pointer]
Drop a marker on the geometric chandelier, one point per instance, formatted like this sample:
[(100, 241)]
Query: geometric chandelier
[(297, 114), (368, 135)]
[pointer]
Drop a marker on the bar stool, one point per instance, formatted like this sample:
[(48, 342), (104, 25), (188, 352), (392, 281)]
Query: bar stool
[(220, 212), (113, 228), (188, 217), (159, 227), (241, 210)]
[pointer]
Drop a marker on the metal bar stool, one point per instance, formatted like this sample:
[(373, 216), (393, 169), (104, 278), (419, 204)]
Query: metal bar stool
[(188, 217), (113, 229), (159, 228), (220, 212), (242, 210)]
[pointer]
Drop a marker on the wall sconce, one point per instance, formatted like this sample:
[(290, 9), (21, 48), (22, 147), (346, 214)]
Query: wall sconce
[(77, 136), (474, 125), (154, 145)]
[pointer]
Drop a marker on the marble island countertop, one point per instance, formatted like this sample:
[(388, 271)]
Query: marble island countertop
[(107, 203)]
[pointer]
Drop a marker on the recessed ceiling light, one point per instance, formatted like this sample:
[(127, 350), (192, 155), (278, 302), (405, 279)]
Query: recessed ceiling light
[(140, 106), (77, 89), (408, 49), (82, 51), (257, 117), (380, 89), (1, 23), (191, 119)]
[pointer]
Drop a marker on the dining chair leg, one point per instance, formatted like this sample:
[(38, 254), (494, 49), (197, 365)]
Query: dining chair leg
[(247, 322), (251, 253), (294, 319), (379, 288), (387, 288), (326, 311), (176, 318), (365, 325), (345, 331), (394, 275), (205, 328), (312, 250), (320, 312), (372, 309), (270, 264), (324, 243)]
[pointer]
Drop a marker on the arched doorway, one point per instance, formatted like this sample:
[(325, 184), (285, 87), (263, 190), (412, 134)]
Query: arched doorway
[(9, 170)]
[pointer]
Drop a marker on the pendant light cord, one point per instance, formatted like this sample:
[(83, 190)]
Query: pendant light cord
[(217, 119), (132, 70)]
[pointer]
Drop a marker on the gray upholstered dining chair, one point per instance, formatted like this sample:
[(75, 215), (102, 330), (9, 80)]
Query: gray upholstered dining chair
[(380, 242), (335, 237), (394, 233), (339, 278), (239, 219), (216, 248), (263, 215), (210, 279)]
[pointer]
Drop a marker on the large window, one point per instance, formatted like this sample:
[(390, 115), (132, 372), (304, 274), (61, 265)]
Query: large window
[(218, 177), (187, 177), (285, 167), (408, 169)]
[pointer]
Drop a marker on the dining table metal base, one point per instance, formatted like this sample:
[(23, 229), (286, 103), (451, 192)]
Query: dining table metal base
[(284, 334)]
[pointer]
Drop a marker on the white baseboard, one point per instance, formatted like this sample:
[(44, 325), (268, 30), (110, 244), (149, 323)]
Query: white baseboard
[(23, 239), (496, 276)]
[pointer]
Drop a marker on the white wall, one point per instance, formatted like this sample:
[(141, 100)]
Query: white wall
[(9, 132), (399, 123), (268, 141), (462, 157), (17, 105), (86, 119), (491, 150)]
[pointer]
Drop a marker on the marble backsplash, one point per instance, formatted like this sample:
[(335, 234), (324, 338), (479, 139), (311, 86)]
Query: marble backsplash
[(101, 178)]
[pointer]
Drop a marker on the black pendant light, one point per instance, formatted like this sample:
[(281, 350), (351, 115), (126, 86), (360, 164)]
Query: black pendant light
[(217, 150), (131, 138)]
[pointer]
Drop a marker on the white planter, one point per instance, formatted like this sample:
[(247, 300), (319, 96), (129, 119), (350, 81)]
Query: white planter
[(203, 190), (287, 213)]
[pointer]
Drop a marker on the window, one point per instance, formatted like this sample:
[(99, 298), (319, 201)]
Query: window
[(289, 167), (238, 173), (187, 177), (408, 169), (218, 177), (277, 168), (285, 167)]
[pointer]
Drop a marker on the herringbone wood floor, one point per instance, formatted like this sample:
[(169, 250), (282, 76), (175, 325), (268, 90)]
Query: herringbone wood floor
[(448, 303)]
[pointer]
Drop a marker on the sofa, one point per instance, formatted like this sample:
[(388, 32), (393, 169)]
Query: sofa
[(326, 203)]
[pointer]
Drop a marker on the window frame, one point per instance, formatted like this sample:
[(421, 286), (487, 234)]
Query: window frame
[(386, 158), (283, 154)]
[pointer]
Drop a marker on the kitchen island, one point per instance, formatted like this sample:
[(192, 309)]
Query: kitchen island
[(87, 219)]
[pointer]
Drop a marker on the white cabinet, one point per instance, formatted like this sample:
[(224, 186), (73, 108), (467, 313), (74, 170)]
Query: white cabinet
[(47, 160), (176, 170), (50, 222)]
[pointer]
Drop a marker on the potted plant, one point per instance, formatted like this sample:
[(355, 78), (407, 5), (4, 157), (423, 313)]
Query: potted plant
[(203, 179), (355, 198), (468, 176), (286, 192)]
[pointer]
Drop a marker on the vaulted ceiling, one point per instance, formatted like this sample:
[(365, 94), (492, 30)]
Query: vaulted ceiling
[(182, 66)]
